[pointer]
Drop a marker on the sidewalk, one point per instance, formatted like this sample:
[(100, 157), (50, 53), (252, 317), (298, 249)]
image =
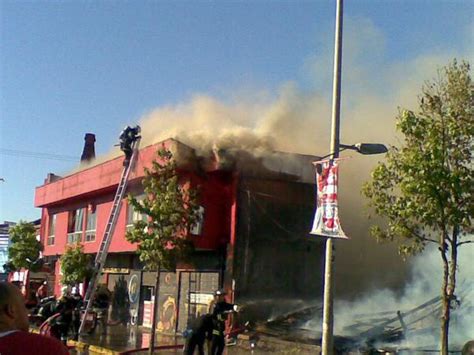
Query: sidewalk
[(123, 340)]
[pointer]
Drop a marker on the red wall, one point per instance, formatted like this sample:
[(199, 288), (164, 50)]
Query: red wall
[(216, 194), (99, 178)]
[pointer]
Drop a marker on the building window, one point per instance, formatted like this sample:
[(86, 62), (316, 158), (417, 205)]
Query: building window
[(90, 226), (134, 216), (75, 226), (196, 228), (51, 229)]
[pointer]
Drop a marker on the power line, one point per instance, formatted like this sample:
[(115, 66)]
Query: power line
[(38, 155)]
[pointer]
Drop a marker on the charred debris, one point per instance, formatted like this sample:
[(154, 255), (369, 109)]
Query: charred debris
[(386, 332)]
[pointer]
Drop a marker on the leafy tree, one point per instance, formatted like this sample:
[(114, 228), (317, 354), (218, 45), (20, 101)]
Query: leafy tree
[(24, 250), (171, 209), (424, 189), (75, 265)]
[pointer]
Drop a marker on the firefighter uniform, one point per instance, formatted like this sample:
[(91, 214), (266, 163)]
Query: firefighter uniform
[(219, 315)]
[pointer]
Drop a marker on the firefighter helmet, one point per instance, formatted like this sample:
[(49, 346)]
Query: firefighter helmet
[(219, 292)]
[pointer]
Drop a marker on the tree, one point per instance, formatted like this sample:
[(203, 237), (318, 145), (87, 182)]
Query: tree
[(171, 209), (25, 249), (75, 265), (424, 189)]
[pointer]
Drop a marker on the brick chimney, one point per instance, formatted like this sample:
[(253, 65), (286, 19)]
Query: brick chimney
[(51, 178), (88, 153)]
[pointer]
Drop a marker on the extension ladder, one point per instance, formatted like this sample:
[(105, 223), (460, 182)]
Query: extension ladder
[(109, 231)]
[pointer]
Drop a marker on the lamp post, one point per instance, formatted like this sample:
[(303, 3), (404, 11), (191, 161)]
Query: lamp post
[(328, 316), (362, 148)]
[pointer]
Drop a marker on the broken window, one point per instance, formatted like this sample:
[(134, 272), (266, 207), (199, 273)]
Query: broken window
[(196, 228), (75, 226)]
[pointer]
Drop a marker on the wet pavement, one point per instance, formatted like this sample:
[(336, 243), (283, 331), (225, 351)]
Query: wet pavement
[(129, 339), (119, 338)]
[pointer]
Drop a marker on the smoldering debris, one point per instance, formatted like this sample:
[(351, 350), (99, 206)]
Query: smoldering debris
[(389, 332), (290, 325)]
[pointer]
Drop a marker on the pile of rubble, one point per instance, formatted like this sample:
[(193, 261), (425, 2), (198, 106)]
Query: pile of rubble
[(385, 332)]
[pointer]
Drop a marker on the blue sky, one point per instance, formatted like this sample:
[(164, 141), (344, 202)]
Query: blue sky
[(73, 67)]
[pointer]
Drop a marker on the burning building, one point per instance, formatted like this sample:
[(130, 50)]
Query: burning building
[(252, 238)]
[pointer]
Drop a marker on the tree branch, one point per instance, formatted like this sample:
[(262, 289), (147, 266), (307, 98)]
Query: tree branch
[(419, 237), (464, 242)]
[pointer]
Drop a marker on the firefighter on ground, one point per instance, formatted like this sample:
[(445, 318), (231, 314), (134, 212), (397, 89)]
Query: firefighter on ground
[(127, 137), (101, 306), (219, 311), (65, 306), (76, 315), (200, 329)]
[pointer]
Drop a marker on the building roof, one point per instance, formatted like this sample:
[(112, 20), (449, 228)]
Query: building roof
[(105, 176)]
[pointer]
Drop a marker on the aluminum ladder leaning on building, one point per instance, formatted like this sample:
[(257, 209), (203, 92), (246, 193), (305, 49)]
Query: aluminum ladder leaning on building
[(109, 231)]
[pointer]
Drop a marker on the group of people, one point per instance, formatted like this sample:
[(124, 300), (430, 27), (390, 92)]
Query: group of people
[(14, 326), (210, 327)]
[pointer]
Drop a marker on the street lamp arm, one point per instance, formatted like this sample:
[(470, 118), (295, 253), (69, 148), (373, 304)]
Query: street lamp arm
[(362, 148)]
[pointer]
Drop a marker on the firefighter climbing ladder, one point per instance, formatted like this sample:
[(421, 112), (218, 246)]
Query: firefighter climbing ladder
[(109, 231)]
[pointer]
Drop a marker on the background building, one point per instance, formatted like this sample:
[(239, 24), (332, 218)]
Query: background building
[(4, 242)]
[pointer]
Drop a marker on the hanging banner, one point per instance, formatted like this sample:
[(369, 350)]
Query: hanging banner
[(326, 219)]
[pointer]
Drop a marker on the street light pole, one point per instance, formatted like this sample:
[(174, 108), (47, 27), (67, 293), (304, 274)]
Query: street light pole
[(328, 316)]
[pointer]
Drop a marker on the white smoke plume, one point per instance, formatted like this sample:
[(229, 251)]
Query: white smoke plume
[(425, 284), (297, 120)]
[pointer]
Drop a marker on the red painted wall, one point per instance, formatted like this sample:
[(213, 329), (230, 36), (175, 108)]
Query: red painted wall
[(82, 189), (99, 178)]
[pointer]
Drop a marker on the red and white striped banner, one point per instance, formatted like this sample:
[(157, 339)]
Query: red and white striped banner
[(326, 219)]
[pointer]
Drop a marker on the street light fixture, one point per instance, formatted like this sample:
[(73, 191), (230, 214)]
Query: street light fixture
[(362, 148), (365, 148)]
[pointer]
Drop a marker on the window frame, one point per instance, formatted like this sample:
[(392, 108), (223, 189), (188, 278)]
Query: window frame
[(51, 237), (197, 228), (90, 234), (74, 235), (132, 215)]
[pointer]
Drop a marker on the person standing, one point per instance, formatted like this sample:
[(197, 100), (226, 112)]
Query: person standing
[(14, 336), (127, 137), (42, 291), (101, 306), (220, 310), (201, 329), (64, 306)]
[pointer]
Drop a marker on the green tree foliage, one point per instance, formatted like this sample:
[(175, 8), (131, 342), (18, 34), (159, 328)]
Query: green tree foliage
[(171, 209), (24, 250), (424, 189), (75, 265)]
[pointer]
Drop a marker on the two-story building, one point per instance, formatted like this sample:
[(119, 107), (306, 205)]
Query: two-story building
[(252, 238)]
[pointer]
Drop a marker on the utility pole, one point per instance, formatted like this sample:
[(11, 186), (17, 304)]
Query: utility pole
[(328, 312)]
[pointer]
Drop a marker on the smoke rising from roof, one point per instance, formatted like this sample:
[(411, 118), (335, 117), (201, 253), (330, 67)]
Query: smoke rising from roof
[(297, 120)]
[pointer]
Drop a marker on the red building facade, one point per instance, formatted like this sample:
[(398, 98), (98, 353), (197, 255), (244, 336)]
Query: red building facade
[(231, 248)]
